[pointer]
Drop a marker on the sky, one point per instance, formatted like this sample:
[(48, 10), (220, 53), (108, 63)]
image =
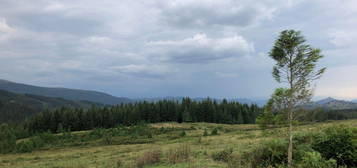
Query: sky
[(156, 48)]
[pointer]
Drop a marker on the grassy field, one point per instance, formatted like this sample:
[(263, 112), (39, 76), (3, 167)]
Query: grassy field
[(241, 138)]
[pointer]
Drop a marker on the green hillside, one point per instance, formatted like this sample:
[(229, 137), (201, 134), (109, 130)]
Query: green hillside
[(69, 94), (167, 145), (16, 107)]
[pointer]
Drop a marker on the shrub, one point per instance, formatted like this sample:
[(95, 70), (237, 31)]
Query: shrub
[(119, 163), (68, 137), (272, 153), (236, 162), (205, 133), (60, 128), (47, 137), (337, 143), (37, 142), (24, 147), (214, 131), (180, 154), (142, 129), (150, 135), (97, 133), (148, 158), (182, 134), (223, 156), (199, 140), (7, 139), (108, 138), (314, 160)]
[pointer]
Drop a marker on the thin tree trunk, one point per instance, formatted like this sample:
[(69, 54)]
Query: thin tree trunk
[(290, 149)]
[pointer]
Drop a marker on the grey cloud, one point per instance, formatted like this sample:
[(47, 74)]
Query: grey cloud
[(167, 47), (200, 49), (208, 13), (144, 70)]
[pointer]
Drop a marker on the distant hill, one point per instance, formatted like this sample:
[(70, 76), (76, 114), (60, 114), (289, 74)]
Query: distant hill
[(16, 107), (70, 94), (333, 104)]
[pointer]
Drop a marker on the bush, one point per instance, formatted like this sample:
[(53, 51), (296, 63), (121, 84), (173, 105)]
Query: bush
[(236, 162), (24, 147), (108, 138), (97, 133), (37, 142), (205, 133), (119, 164), (223, 156), (272, 153), (182, 134), (214, 131), (180, 154), (148, 158), (7, 139), (337, 143), (47, 137), (314, 160)]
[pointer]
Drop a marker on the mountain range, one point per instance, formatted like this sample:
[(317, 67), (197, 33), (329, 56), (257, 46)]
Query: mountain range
[(333, 104), (69, 94), (107, 99)]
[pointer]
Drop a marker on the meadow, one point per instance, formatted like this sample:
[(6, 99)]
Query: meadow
[(201, 142)]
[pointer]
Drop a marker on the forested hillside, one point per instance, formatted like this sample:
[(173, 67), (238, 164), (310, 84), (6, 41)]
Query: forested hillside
[(151, 112), (70, 94), (16, 107)]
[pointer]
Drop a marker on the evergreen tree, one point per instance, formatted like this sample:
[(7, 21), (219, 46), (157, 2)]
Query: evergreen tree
[(7, 139)]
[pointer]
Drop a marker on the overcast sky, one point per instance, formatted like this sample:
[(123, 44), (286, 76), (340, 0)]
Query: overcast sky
[(153, 48)]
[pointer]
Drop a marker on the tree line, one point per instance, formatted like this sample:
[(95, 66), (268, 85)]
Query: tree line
[(187, 110)]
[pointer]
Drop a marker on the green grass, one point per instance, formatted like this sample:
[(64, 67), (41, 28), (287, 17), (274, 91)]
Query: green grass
[(95, 154)]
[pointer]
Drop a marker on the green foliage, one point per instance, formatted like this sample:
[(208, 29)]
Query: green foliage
[(7, 139), (182, 134), (214, 131), (338, 143), (15, 108), (314, 160), (150, 112), (205, 133), (271, 153), (274, 113), (37, 142), (60, 128), (108, 138), (97, 133), (295, 64), (290, 52), (265, 119), (224, 156), (47, 137), (25, 146)]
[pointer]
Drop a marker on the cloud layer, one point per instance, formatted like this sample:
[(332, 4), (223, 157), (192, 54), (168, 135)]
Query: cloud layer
[(170, 47)]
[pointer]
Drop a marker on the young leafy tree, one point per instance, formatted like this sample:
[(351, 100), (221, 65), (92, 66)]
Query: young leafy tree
[(295, 67)]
